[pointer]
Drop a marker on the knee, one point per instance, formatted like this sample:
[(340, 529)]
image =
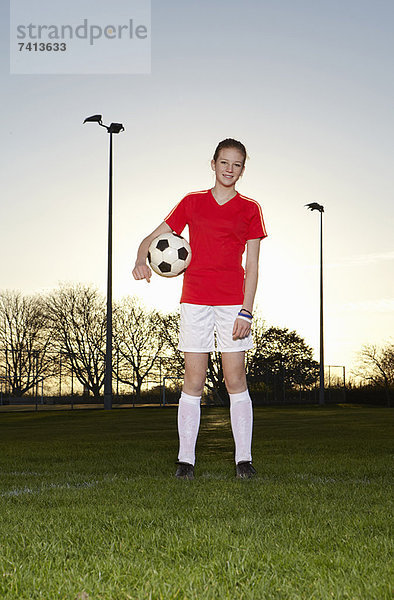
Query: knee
[(195, 373), (234, 372), (192, 390), (235, 382), (193, 384)]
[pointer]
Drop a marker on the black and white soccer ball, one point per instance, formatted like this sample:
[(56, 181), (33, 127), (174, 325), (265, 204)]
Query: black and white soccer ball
[(169, 254)]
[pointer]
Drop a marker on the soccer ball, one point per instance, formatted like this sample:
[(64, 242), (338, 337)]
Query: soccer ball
[(169, 255)]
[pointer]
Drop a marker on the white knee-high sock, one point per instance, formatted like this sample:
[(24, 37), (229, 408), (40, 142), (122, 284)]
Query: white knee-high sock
[(188, 426), (241, 414)]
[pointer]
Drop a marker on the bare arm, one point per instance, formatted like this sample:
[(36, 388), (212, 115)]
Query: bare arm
[(242, 327), (141, 269), (251, 272)]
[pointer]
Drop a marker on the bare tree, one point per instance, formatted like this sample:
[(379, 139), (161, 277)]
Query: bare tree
[(139, 341), (215, 378), (174, 365), (24, 340), (376, 366), (77, 318)]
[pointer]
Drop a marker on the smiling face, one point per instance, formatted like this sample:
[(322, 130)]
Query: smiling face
[(229, 166)]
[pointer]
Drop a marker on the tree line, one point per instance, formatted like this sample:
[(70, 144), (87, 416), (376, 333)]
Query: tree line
[(70, 323)]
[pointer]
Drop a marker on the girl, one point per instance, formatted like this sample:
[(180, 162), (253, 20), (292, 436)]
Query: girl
[(217, 295)]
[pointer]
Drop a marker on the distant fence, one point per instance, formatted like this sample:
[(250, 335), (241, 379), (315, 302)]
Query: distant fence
[(167, 394), (63, 390), (63, 387)]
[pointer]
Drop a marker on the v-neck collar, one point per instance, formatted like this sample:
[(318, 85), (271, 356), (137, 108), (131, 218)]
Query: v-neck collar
[(224, 203)]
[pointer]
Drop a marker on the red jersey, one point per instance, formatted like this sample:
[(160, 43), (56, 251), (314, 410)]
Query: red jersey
[(218, 234)]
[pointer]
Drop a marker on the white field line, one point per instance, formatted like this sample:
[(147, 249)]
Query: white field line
[(50, 486)]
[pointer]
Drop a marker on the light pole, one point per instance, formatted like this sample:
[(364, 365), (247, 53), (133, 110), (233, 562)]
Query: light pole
[(113, 128), (320, 208)]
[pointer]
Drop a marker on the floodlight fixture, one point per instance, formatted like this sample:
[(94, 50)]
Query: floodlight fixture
[(94, 119), (113, 128), (315, 206)]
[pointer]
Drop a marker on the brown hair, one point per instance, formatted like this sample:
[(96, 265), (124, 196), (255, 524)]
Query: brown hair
[(230, 143)]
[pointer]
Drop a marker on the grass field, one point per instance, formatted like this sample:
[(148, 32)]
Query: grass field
[(90, 509)]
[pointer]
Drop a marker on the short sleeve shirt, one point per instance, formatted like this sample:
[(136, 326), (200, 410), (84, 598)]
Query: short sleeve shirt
[(218, 235)]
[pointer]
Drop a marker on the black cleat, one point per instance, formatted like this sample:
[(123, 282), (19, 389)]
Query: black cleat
[(245, 470), (184, 471)]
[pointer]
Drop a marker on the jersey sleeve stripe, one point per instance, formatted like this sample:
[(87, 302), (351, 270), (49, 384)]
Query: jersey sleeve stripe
[(170, 213), (176, 206), (260, 213)]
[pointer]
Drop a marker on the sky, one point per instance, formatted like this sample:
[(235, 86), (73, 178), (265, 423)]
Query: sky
[(306, 85)]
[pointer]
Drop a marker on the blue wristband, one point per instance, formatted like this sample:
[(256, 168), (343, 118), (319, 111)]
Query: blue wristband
[(242, 314)]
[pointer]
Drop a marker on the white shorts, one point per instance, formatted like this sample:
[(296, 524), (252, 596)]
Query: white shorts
[(200, 323)]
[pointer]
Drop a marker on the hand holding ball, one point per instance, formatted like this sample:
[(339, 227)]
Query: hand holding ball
[(169, 255)]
